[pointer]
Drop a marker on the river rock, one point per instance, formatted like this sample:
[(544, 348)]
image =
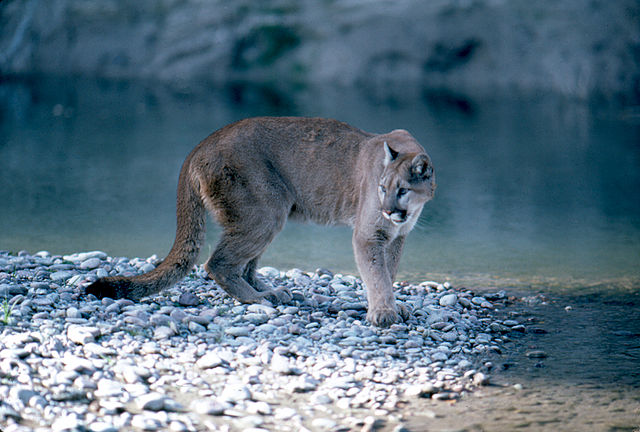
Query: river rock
[(82, 335), (60, 276), (163, 332), (102, 426), (238, 331), (8, 412), (151, 402), (122, 368), (537, 354), (235, 393), (480, 379), (90, 264), (146, 423), (188, 299), (22, 394), (210, 360), (448, 300), (210, 407)]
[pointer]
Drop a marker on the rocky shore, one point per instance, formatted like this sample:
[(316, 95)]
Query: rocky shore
[(191, 358)]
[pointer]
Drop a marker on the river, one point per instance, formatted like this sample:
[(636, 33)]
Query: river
[(537, 194), (531, 189)]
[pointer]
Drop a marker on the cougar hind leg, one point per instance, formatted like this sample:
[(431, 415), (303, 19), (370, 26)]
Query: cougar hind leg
[(282, 293), (233, 263), (251, 277)]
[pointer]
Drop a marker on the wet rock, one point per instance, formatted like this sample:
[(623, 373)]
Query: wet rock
[(420, 390), (537, 354), (480, 379), (445, 395), (499, 328)]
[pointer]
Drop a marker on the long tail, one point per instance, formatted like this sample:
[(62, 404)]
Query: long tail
[(190, 233)]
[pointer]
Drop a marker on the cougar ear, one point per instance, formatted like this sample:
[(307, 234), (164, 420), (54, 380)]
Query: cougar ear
[(389, 154), (421, 168)]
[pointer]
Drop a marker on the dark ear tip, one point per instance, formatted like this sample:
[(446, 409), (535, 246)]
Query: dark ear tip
[(420, 166)]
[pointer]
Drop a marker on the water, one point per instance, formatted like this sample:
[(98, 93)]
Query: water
[(534, 193), (532, 190)]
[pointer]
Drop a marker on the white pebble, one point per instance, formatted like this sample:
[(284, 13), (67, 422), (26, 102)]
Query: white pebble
[(448, 300)]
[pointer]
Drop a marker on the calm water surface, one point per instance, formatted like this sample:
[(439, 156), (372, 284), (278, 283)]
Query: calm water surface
[(534, 194), (531, 189)]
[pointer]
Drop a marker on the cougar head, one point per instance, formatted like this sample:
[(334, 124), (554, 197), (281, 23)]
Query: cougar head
[(406, 184)]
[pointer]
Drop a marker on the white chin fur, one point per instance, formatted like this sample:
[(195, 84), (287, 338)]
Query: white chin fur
[(393, 219)]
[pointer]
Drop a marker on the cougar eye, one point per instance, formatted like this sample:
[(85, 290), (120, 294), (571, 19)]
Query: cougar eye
[(401, 192), (383, 189)]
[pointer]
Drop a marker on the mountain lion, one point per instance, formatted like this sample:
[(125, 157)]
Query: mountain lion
[(255, 174)]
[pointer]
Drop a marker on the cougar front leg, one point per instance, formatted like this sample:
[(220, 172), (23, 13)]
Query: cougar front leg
[(394, 251), (371, 261)]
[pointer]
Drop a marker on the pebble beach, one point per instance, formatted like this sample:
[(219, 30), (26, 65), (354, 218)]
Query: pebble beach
[(193, 359)]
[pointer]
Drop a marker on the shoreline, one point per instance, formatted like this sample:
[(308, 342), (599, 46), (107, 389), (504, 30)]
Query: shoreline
[(192, 358)]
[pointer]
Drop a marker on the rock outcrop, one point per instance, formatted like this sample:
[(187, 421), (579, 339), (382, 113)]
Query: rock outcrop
[(575, 47)]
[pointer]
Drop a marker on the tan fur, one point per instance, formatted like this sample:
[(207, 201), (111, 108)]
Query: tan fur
[(255, 174)]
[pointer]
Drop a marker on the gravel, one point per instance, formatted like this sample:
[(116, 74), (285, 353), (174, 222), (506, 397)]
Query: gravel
[(192, 359)]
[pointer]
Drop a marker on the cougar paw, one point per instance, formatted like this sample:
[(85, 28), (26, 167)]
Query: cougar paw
[(278, 296), (382, 316), (284, 295), (404, 311), (260, 286)]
